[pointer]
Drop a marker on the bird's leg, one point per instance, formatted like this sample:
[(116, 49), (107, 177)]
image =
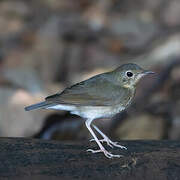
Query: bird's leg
[(102, 149), (106, 139)]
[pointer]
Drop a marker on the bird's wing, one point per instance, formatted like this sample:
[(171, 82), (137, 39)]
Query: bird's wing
[(96, 91)]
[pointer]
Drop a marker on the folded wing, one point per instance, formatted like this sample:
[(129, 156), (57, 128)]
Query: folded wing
[(96, 91)]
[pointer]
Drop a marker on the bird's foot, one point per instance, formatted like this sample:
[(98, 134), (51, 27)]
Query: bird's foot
[(110, 143), (103, 140), (118, 145), (106, 153)]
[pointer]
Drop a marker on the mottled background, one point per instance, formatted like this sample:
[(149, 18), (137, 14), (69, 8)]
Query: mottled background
[(47, 45)]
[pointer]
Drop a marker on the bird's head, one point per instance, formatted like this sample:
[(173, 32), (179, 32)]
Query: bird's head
[(128, 75)]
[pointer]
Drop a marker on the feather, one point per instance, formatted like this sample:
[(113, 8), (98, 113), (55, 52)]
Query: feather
[(40, 105)]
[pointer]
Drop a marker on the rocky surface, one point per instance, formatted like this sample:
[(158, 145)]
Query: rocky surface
[(41, 159)]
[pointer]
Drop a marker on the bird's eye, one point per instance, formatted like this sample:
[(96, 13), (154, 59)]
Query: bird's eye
[(129, 74)]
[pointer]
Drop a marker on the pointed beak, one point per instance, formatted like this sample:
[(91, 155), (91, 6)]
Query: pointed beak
[(147, 72)]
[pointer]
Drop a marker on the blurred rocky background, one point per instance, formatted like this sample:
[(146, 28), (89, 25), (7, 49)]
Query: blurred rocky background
[(47, 45)]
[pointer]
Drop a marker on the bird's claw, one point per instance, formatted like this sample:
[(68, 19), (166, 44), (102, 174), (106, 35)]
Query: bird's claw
[(106, 153), (110, 143), (118, 145), (103, 140), (91, 140)]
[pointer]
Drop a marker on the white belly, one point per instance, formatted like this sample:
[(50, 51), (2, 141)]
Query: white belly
[(90, 112)]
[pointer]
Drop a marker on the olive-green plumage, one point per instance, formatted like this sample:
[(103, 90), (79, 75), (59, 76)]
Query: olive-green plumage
[(97, 91), (105, 89)]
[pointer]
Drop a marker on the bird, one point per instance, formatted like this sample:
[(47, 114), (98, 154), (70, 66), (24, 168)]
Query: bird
[(101, 96)]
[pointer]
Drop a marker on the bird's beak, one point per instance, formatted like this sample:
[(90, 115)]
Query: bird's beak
[(147, 72)]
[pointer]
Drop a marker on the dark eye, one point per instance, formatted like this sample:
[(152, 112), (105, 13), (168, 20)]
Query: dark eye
[(129, 74)]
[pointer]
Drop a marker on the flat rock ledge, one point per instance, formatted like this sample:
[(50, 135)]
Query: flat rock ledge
[(22, 158)]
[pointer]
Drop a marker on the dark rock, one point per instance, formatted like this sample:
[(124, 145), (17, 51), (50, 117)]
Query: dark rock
[(37, 159)]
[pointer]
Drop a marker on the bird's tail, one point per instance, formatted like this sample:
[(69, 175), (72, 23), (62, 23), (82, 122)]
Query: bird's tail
[(40, 105)]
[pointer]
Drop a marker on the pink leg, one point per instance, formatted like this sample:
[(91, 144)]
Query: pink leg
[(106, 139), (102, 149)]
